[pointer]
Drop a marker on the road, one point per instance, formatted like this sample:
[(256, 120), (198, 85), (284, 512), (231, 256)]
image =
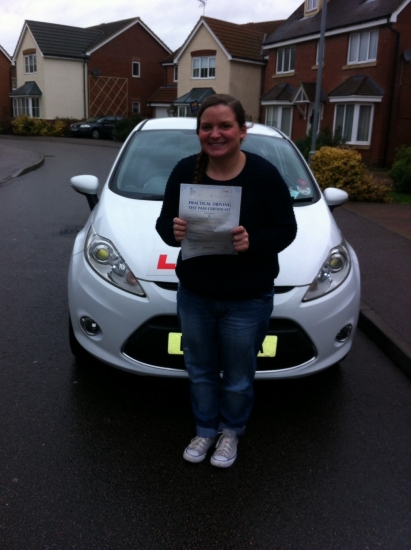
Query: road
[(91, 457)]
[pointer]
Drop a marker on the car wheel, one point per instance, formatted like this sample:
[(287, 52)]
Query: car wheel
[(95, 134), (76, 349)]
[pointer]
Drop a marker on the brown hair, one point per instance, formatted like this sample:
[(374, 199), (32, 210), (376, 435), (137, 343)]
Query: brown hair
[(212, 101)]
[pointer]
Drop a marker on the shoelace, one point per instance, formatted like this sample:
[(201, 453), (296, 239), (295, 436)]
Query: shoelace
[(199, 443), (225, 446)]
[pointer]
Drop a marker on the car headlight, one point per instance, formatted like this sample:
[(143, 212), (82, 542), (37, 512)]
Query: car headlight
[(85, 126), (332, 274), (104, 258)]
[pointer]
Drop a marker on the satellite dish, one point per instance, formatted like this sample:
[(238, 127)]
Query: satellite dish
[(407, 55)]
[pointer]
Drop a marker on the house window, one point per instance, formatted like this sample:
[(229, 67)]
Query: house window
[(136, 69), (354, 121), (204, 67), (175, 73), (311, 5), (182, 110), (279, 117), (363, 47), (14, 83), (135, 106), (286, 60), (30, 63), (26, 106)]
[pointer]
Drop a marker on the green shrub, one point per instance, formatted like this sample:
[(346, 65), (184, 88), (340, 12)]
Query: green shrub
[(325, 138), (401, 171), (24, 125), (124, 127), (344, 169), (64, 123)]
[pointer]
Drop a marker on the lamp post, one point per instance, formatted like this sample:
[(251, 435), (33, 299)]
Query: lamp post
[(314, 127)]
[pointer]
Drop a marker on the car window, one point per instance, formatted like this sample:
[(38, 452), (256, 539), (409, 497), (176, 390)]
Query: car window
[(287, 161), (150, 156), (147, 162)]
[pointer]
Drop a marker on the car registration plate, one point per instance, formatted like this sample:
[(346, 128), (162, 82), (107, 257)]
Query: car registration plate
[(269, 347)]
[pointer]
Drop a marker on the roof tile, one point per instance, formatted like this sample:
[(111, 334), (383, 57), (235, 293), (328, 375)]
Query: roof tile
[(240, 41), (340, 13), (358, 85)]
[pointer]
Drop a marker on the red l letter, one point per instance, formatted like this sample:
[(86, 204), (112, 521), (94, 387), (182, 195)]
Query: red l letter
[(162, 263)]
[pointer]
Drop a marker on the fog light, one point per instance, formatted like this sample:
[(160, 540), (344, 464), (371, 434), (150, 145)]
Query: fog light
[(344, 333), (89, 326)]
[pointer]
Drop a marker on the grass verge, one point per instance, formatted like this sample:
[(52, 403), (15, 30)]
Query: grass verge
[(399, 198)]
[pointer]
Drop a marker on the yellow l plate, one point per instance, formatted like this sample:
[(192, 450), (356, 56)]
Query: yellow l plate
[(269, 345)]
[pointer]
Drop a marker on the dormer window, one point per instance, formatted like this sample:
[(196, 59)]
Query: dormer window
[(311, 5)]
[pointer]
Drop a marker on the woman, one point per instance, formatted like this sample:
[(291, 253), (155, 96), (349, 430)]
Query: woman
[(224, 302)]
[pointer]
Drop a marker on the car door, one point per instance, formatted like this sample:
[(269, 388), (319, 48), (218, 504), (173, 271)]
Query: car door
[(108, 126)]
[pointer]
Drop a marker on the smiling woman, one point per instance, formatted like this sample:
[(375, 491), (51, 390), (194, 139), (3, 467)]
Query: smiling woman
[(225, 300)]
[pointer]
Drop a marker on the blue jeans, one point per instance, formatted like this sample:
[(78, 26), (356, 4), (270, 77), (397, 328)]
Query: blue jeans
[(222, 336)]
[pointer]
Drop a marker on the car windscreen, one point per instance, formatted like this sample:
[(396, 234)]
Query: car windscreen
[(147, 161)]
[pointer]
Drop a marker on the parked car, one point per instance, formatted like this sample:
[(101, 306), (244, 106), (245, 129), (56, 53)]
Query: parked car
[(95, 127), (122, 284)]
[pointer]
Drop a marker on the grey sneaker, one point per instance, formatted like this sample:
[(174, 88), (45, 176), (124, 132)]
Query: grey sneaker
[(226, 450), (197, 450)]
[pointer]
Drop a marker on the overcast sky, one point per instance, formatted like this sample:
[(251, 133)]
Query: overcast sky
[(171, 20)]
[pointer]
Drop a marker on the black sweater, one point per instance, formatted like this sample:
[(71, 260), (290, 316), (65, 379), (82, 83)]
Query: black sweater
[(268, 217)]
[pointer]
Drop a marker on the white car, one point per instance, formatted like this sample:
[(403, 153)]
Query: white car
[(122, 284)]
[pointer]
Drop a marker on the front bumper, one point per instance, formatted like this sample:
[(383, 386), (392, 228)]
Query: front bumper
[(80, 132), (134, 330)]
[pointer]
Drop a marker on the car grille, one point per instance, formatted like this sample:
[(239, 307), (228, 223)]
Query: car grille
[(149, 345), (174, 286)]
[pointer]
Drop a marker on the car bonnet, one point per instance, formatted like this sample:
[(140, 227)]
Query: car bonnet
[(130, 226)]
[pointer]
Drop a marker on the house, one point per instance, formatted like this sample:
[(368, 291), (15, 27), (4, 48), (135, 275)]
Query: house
[(366, 79), (221, 57), (108, 69), (162, 99), (5, 84)]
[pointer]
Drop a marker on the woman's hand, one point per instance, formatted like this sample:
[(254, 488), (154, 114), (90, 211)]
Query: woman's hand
[(240, 239), (180, 229)]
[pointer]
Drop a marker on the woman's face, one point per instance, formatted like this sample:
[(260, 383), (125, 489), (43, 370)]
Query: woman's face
[(219, 133)]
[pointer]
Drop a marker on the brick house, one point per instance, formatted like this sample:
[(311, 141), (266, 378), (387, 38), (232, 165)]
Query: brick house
[(163, 98), (366, 80), (5, 84), (221, 57), (108, 69)]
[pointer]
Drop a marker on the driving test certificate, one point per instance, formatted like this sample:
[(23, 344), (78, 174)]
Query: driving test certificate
[(211, 212)]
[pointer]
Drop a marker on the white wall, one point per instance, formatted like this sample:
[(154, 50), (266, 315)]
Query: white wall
[(245, 85), (64, 95), (60, 81)]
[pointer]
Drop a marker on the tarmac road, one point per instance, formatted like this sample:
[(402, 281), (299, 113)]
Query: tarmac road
[(91, 458)]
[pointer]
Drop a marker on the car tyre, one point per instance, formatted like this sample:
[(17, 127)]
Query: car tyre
[(95, 134), (77, 349)]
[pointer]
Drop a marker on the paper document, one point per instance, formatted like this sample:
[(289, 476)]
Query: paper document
[(211, 212)]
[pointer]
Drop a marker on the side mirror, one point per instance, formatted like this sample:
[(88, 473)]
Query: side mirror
[(88, 186), (335, 197)]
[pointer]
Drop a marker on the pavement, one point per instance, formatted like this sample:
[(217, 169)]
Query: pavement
[(379, 233), (15, 161)]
